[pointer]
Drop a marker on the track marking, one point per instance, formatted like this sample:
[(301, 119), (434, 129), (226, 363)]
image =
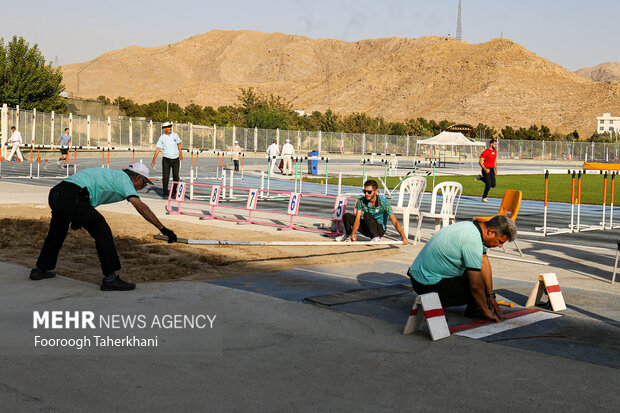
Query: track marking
[(517, 321)]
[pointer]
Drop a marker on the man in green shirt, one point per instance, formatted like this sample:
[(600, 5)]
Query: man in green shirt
[(73, 202), (454, 264), (373, 212)]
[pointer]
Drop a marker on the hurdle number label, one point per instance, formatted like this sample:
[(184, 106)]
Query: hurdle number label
[(293, 203), (180, 192), (214, 200), (339, 208), (252, 199)]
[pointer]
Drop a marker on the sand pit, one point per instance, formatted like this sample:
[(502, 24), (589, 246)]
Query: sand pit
[(143, 259)]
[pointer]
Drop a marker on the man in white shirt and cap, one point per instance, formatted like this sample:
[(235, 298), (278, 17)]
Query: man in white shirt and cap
[(15, 140), (287, 152), (236, 155), (272, 152), (169, 144)]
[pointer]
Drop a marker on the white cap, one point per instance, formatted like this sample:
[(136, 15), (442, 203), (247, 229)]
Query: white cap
[(236, 142), (166, 125), (288, 141), (140, 169)]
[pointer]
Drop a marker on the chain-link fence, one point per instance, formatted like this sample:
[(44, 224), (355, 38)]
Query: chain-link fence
[(45, 128)]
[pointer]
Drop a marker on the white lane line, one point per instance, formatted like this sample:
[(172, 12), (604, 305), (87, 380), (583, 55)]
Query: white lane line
[(490, 329)]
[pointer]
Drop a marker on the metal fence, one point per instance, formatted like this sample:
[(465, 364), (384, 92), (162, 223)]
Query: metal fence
[(45, 128)]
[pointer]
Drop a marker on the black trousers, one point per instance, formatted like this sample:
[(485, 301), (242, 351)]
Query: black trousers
[(166, 165), (452, 291), (236, 163), (368, 225), (70, 206), (489, 181)]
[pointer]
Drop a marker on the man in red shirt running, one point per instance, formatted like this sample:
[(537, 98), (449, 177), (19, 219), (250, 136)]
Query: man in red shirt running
[(488, 163)]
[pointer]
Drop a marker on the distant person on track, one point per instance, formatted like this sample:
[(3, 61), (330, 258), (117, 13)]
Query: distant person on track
[(64, 140), (454, 264), (488, 163), (15, 141), (272, 152), (73, 202), (372, 215), (169, 144), (287, 152), (236, 155)]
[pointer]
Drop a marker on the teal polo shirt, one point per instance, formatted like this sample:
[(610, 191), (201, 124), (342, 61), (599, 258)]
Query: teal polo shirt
[(451, 251), (168, 145), (381, 210), (105, 186)]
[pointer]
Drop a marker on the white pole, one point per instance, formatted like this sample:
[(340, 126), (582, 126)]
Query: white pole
[(223, 182), (88, 130), (17, 117), (52, 129), (214, 136), (151, 134), (109, 132), (276, 243), (232, 183), (262, 182), (278, 136), (130, 133), (5, 123), (71, 124), (320, 139), (34, 124), (191, 181), (191, 136), (339, 183), (255, 139)]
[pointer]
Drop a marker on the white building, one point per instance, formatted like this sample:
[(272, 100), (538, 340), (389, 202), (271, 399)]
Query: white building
[(608, 123)]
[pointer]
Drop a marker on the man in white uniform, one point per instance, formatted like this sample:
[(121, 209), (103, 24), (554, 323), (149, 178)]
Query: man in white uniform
[(15, 140), (272, 151), (287, 152)]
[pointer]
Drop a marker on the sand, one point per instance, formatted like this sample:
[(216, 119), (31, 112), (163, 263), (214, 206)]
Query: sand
[(23, 230)]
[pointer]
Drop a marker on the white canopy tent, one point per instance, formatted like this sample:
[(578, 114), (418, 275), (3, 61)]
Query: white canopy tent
[(450, 139)]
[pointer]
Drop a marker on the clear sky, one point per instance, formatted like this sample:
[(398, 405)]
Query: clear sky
[(572, 33)]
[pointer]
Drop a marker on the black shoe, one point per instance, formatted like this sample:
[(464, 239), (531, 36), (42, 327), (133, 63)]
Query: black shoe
[(38, 274), (114, 283)]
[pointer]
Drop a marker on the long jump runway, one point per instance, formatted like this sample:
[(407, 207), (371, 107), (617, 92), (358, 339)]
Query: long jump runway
[(580, 333)]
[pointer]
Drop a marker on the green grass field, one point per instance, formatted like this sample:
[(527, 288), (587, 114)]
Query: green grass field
[(532, 186)]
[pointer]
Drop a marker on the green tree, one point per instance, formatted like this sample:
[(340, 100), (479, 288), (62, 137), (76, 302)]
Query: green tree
[(26, 80), (330, 122)]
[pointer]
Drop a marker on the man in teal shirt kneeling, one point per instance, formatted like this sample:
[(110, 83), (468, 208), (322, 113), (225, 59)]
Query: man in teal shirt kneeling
[(73, 202), (454, 264)]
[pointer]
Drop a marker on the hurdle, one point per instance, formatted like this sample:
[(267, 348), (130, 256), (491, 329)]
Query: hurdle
[(207, 210)]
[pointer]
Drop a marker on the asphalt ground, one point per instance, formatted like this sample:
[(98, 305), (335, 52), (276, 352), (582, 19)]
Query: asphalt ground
[(274, 348)]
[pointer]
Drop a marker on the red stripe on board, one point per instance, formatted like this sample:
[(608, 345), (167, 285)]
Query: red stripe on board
[(413, 312), (553, 288), (506, 316), (438, 312)]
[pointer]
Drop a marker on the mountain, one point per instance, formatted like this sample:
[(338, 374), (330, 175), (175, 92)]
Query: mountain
[(498, 83), (605, 72)]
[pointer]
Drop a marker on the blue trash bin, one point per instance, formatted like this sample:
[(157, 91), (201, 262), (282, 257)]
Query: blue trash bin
[(313, 164)]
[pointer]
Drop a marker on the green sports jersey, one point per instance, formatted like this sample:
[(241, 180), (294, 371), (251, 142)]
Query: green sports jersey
[(381, 210), (105, 186), (451, 251)]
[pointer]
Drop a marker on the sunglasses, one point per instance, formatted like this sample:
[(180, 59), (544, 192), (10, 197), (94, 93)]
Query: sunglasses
[(368, 192)]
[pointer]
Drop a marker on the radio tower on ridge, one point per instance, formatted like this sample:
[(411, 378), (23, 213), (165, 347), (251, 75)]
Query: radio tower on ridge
[(459, 33)]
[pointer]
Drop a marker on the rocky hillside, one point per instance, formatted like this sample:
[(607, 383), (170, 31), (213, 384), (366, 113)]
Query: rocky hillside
[(605, 72), (498, 82)]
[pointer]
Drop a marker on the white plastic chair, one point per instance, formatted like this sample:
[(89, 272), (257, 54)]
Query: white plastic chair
[(415, 185), (451, 195)]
